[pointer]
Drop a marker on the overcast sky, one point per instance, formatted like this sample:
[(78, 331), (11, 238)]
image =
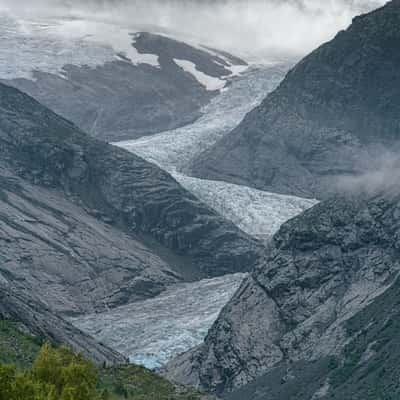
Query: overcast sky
[(258, 27)]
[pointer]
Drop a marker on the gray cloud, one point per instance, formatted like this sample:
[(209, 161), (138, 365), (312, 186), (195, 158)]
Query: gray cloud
[(256, 27)]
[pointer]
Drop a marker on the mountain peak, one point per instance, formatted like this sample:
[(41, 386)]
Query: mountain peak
[(335, 114)]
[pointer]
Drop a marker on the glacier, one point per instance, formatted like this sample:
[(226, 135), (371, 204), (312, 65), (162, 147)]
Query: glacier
[(173, 150), (153, 331), (256, 212)]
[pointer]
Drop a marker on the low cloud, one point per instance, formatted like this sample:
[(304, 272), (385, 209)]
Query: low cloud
[(259, 28), (382, 176)]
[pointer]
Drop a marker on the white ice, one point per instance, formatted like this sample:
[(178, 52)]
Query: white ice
[(173, 150), (153, 331), (209, 82), (40, 48), (258, 213)]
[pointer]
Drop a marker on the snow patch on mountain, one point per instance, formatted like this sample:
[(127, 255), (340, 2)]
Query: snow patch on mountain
[(48, 45), (153, 331), (120, 39), (209, 82)]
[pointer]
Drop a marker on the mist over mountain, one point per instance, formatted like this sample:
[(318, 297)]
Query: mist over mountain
[(257, 28), (334, 115)]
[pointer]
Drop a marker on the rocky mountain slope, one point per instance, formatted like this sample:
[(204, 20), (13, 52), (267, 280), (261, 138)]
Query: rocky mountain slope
[(113, 82), (320, 309), (335, 114), (86, 226), (38, 319)]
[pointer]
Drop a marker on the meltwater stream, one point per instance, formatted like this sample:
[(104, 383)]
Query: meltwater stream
[(153, 331)]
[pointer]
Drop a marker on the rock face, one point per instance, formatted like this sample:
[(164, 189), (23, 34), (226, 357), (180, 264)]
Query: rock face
[(42, 322), (86, 226), (334, 114), (121, 97), (317, 301), (72, 259)]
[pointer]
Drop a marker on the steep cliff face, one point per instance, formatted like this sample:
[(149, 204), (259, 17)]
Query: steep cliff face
[(72, 258), (368, 368), (297, 309), (123, 189), (334, 115)]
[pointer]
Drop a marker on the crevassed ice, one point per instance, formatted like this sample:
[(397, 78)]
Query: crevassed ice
[(153, 331), (173, 150), (257, 212)]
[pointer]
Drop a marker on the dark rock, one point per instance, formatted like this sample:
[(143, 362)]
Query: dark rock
[(335, 114), (42, 322), (324, 269), (86, 226)]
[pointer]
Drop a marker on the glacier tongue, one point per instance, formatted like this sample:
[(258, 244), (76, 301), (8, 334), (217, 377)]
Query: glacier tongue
[(153, 331), (173, 150), (256, 212)]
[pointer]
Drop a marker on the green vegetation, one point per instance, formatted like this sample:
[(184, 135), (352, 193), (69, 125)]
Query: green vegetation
[(137, 383), (30, 370), (56, 374), (16, 345)]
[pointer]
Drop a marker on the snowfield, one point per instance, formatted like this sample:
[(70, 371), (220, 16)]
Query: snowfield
[(153, 331), (48, 45), (42, 47)]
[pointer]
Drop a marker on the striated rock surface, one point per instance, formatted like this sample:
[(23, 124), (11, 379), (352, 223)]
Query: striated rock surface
[(75, 261), (320, 288), (86, 226), (335, 114), (118, 187), (42, 322)]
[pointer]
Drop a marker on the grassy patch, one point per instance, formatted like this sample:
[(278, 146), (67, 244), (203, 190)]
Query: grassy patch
[(137, 383)]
